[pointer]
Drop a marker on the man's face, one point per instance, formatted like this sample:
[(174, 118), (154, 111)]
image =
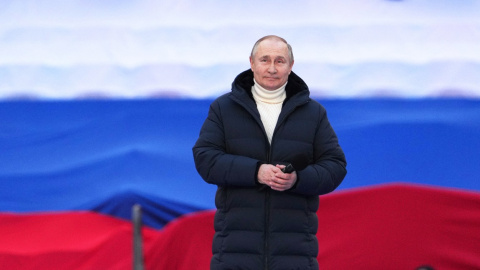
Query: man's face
[(271, 64)]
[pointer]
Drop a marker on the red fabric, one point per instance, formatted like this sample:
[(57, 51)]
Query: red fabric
[(186, 244), (71, 240), (399, 227), (383, 227)]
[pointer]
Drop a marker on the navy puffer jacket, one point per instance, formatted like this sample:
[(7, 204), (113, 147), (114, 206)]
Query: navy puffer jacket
[(255, 226)]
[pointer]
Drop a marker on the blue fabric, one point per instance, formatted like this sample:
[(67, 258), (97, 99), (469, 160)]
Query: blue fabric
[(84, 154), (156, 212)]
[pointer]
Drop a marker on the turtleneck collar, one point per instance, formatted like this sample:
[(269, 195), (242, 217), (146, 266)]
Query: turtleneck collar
[(269, 96)]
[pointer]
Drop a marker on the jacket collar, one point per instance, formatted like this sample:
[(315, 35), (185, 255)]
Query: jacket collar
[(242, 85)]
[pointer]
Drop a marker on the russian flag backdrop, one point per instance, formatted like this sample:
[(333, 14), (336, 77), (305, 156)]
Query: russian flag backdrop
[(102, 101)]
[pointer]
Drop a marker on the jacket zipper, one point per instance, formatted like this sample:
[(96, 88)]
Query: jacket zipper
[(267, 194), (267, 212)]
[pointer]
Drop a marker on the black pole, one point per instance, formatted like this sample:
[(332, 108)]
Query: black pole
[(137, 237)]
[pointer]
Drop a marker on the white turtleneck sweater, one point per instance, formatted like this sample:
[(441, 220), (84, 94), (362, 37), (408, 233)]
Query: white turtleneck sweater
[(269, 105)]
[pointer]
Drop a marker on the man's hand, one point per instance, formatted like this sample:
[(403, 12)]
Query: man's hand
[(273, 177)]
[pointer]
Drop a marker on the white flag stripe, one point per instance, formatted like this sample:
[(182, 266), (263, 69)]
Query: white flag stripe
[(186, 48)]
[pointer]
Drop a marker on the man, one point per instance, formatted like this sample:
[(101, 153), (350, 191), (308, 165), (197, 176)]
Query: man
[(266, 218)]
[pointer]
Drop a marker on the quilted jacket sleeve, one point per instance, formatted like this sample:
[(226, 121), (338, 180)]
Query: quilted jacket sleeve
[(329, 167), (212, 162)]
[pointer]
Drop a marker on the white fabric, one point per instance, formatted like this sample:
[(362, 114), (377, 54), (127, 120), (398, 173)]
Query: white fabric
[(269, 105)]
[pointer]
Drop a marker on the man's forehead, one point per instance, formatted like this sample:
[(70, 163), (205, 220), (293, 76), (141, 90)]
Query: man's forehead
[(276, 48), (272, 56), (272, 43)]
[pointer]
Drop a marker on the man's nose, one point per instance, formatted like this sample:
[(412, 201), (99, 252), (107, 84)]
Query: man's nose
[(272, 68)]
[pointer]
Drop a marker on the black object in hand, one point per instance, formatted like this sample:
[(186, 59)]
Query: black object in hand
[(288, 169)]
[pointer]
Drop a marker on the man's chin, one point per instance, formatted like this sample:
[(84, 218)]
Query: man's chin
[(271, 86)]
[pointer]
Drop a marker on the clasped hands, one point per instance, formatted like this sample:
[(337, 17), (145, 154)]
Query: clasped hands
[(273, 177)]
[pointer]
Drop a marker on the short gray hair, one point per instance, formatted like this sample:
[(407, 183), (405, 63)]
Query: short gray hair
[(255, 46)]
